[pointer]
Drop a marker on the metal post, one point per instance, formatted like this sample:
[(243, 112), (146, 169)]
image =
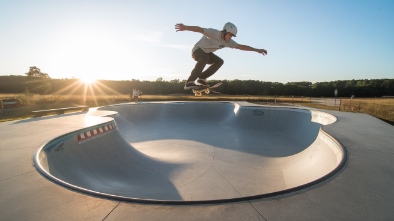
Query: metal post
[(1, 106), (340, 103)]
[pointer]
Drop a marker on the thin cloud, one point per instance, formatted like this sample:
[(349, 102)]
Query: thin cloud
[(178, 46), (154, 37)]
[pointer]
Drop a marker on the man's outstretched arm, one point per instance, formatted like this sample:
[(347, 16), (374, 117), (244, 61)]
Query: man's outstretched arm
[(248, 48), (182, 27)]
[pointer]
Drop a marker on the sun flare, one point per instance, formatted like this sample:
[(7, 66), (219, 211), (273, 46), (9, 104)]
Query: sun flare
[(87, 80)]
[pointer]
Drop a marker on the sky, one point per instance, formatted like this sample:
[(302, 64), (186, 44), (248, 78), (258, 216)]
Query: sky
[(306, 40)]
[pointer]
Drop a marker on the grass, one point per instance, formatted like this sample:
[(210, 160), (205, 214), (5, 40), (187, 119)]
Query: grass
[(381, 108), (383, 101)]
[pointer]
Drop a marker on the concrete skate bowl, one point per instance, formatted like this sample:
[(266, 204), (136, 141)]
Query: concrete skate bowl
[(194, 152)]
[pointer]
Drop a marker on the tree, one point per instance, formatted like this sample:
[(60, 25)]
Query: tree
[(388, 86), (38, 82), (36, 72), (175, 81)]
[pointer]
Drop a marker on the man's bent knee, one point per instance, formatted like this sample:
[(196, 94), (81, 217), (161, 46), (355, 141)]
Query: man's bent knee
[(220, 62)]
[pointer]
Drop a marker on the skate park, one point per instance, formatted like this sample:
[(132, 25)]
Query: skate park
[(196, 152), (197, 160)]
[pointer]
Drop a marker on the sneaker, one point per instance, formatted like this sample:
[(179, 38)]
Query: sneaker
[(202, 82), (190, 85)]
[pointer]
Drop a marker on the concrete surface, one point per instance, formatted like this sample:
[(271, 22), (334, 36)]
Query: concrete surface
[(188, 152), (362, 190)]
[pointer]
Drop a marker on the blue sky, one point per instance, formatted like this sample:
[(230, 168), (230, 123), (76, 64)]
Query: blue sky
[(306, 40)]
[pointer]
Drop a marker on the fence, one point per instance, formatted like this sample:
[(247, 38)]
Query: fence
[(382, 111), (326, 101)]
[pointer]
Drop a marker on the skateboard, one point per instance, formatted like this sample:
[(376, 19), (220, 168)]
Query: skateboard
[(206, 89)]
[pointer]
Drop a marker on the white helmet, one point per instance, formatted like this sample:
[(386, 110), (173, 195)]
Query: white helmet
[(230, 27)]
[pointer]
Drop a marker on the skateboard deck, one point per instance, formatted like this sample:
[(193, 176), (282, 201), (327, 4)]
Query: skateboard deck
[(206, 89)]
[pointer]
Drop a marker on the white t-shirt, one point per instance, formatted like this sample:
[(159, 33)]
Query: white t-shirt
[(212, 41)]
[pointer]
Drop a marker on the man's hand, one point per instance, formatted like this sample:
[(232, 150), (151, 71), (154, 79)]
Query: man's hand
[(248, 48), (180, 27), (262, 51)]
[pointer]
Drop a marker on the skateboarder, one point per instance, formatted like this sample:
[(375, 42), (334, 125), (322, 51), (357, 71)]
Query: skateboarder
[(202, 51)]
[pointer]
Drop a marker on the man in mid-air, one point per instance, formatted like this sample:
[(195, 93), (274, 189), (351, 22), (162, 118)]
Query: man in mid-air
[(202, 52)]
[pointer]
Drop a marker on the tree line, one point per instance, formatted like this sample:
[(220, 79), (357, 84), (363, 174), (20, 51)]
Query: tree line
[(41, 83)]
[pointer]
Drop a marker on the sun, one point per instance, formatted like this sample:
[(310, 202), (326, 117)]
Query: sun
[(87, 80)]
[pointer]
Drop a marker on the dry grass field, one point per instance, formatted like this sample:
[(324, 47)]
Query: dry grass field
[(383, 101), (382, 108)]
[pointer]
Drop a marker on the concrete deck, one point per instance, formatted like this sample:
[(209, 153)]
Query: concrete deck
[(362, 189)]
